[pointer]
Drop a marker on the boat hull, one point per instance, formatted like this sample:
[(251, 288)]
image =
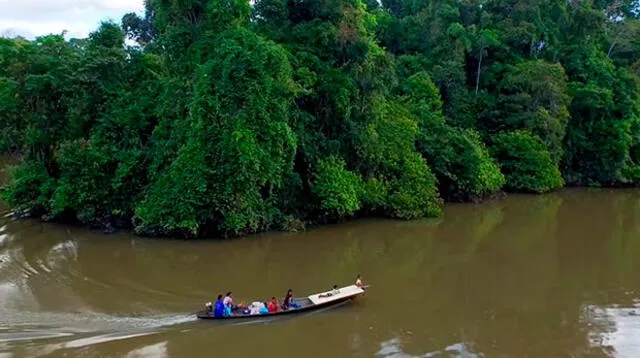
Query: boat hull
[(207, 315)]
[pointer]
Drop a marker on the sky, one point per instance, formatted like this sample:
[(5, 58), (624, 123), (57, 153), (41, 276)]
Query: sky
[(30, 18)]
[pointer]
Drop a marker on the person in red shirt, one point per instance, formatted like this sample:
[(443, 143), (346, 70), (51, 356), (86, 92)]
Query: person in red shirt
[(273, 305)]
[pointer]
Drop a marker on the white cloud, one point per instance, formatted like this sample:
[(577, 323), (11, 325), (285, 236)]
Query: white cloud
[(31, 18)]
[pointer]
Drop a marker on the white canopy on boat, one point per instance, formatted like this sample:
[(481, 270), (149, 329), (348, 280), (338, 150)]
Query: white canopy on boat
[(342, 292)]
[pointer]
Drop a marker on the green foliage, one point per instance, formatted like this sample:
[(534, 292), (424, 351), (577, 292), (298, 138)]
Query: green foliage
[(458, 157), (533, 96), (239, 144), (83, 185), (407, 186), (30, 188), (337, 188), (604, 112), (231, 117), (177, 201), (141, 30), (10, 118), (526, 162), (462, 163), (413, 194)]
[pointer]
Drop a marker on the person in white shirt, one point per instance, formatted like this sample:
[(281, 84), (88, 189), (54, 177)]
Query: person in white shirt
[(228, 300)]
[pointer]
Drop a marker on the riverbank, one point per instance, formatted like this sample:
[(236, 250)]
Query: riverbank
[(114, 225), (118, 224)]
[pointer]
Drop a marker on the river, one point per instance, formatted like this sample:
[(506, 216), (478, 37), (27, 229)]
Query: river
[(528, 276)]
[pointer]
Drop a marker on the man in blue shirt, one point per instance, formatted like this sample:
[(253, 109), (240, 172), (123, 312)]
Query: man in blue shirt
[(218, 309)]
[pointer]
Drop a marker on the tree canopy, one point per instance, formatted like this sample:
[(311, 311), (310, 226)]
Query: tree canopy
[(230, 117)]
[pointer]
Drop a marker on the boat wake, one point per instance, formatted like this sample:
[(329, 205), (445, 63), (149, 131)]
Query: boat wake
[(40, 303), (93, 319), (49, 332)]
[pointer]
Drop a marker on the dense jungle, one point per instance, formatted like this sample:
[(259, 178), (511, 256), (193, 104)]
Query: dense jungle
[(228, 117)]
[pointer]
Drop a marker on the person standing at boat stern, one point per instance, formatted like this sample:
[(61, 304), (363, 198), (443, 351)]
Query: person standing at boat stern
[(361, 285)]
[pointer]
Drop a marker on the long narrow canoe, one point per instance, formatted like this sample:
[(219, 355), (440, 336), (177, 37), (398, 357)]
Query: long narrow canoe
[(305, 304)]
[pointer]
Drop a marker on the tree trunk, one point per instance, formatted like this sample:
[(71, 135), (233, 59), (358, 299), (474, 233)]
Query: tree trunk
[(611, 49), (479, 69)]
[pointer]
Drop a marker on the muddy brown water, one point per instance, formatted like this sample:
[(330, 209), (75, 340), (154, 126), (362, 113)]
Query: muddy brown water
[(529, 276)]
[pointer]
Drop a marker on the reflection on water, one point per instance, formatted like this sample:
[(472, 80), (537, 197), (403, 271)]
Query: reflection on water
[(530, 276), (615, 331)]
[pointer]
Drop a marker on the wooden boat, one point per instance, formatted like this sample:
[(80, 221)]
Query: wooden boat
[(312, 302)]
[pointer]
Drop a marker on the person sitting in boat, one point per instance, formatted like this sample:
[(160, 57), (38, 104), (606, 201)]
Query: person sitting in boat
[(264, 309), (288, 298), (218, 309), (288, 302), (228, 302), (273, 305), (359, 282), (228, 299)]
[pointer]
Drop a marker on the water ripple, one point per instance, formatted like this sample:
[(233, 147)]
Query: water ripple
[(393, 349), (81, 330), (158, 350)]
